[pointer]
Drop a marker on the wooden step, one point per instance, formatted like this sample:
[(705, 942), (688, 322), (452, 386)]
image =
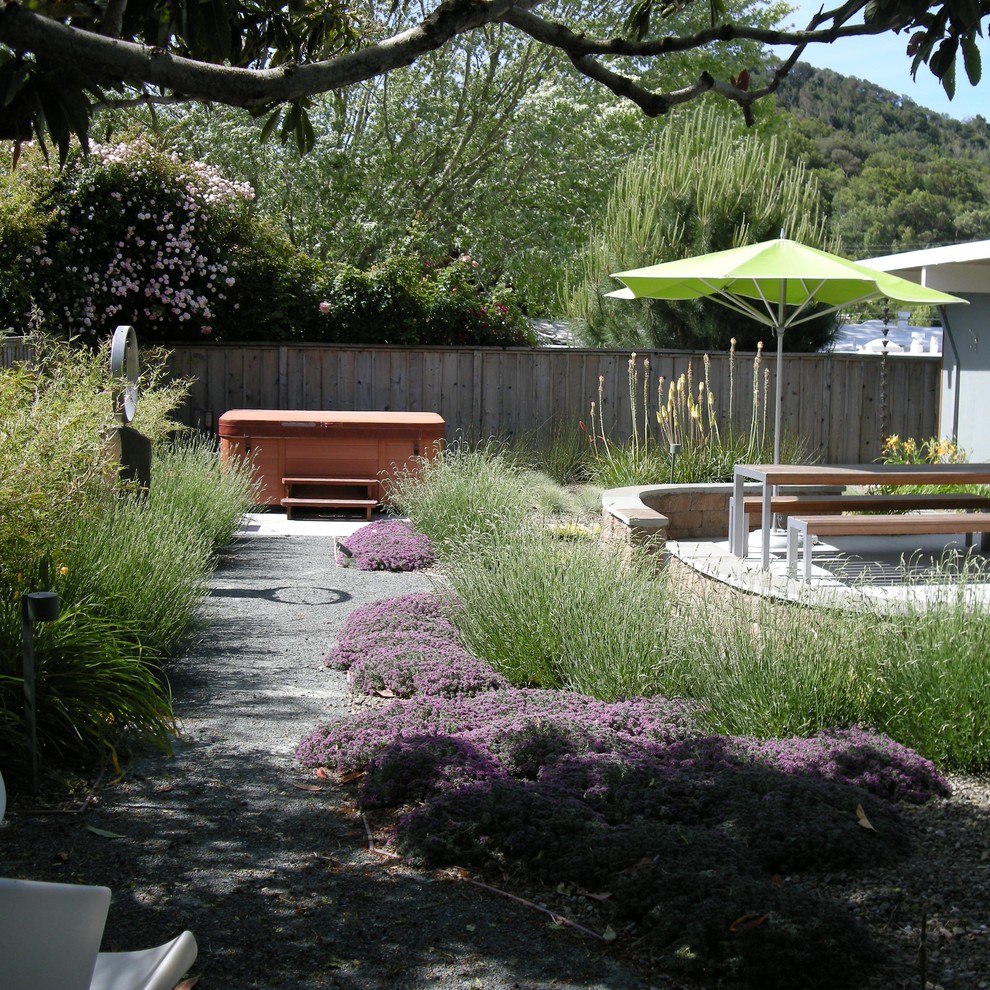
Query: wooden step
[(334, 480), (294, 502)]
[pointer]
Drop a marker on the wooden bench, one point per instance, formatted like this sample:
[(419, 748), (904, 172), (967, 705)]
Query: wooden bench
[(821, 505), (803, 528), (314, 492)]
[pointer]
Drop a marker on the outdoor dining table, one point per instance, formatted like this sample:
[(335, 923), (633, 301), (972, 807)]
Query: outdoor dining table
[(773, 476)]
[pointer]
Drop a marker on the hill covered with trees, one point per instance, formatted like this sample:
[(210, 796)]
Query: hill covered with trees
[(897, 175)]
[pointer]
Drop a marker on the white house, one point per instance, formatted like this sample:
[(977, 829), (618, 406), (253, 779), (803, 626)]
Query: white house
[(963, 270)]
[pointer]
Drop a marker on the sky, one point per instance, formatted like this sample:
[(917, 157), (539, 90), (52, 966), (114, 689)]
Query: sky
[(881, 59)]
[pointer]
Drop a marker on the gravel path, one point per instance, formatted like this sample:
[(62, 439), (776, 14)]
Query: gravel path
[(268, 867)]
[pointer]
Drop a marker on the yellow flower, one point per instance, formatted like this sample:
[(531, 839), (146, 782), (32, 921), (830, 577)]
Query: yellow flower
[(63, 570)]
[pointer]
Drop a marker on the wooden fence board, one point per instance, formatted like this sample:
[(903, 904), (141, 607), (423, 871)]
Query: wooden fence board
[(833, 400)]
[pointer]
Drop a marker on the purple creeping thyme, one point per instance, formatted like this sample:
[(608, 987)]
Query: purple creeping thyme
[(427, 667), (491, 718), (389, 545), (418, 617), (683, 829), (414, 768), (855, 756)]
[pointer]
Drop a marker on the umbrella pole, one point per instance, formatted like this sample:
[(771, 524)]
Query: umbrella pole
[(779, 396)]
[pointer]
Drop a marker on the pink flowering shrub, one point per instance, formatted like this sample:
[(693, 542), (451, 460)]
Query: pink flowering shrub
[(389, 545), (137, 236), (133, 234)]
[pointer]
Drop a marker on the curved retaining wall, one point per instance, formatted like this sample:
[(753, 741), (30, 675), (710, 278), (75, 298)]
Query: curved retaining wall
[(653, 514)]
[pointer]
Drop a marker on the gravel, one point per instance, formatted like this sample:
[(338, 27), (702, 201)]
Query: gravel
[(271, 868)]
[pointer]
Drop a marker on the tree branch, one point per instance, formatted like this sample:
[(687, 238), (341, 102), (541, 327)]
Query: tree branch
[(111, 58), (579, 45), (581, 51)]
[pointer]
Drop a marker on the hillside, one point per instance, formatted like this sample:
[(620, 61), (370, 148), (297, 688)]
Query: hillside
[(898, 176)]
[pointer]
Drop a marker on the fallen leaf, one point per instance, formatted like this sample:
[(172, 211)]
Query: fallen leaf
[(348, 777), (385, 694), (308, 787), (322, 774), (104, 832), (603, 896), (862, 819), (609, 934)]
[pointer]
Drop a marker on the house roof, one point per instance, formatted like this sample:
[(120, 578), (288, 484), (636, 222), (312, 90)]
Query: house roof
[(954, 268)]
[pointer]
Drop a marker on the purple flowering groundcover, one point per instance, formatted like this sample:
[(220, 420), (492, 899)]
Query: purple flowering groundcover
[(389, 545)]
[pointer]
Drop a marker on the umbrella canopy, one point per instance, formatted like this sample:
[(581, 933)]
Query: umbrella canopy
[(779, 283)]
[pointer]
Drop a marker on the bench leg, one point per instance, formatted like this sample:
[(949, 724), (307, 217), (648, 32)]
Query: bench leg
[(732, 518), (792, 550), (797, 530)]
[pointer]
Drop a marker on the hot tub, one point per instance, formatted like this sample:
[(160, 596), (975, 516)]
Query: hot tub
[(327, 459)]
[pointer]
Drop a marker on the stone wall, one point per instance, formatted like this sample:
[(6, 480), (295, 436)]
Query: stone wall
[(657, 513)]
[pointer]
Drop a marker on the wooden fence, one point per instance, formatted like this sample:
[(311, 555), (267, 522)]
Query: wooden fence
[(831, 401)]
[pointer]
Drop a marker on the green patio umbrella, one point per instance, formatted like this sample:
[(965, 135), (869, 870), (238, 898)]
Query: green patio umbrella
[(779, 283)]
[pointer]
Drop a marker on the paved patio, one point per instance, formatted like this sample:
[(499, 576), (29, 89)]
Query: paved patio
[(847, 572)]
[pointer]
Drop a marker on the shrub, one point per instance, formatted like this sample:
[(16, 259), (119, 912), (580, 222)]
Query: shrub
[(553, 612), (97, 694), (406, 300), (132, 234), (465, 498), (55, 418), (130, 571), (136, 236)]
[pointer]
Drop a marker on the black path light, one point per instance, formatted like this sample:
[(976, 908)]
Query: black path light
[(36, 606)]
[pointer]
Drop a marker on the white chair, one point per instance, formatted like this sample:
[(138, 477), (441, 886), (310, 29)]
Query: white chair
[(50, 939)]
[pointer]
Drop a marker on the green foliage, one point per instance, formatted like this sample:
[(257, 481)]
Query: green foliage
[(899, 202), (465, 498), (53, 100), (401, 300), (195, 492), (97, 693), (542, 610), (130, 234), (899, 177), (918, 675), (55, 420), (708, 444), (130, 571), (492, 146), (702, 187)]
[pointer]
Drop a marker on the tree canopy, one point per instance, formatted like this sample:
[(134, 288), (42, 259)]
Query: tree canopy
[(61, 62)]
